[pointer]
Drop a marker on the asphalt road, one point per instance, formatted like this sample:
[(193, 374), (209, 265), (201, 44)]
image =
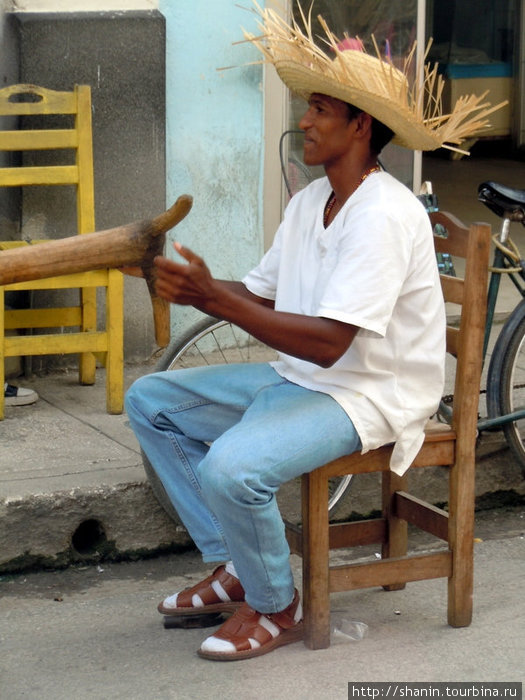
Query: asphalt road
[(94, 632)]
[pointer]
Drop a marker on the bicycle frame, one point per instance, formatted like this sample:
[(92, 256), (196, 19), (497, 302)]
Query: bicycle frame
[(501, 263)]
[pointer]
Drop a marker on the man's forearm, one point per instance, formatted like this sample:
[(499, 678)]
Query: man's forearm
[(312, 338), (315, 339), (241, 289)]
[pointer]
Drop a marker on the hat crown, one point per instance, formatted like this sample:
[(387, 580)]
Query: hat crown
[(357, 68)]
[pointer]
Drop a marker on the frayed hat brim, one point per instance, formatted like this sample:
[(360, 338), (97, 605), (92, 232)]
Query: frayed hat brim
[(412, 109)]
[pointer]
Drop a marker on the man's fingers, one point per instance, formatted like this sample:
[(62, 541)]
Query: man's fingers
[(163, 263), (170, 267), (167, 264), (187, 254), (185, 282)]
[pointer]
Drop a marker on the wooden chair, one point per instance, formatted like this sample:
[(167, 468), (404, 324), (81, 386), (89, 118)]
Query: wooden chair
[(453, 447), (26, 101)]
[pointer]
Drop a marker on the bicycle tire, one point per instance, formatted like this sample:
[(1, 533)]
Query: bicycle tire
[(506, 380), (212, 341)]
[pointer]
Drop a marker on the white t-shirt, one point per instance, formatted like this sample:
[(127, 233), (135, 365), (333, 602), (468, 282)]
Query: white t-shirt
[(374, 267)]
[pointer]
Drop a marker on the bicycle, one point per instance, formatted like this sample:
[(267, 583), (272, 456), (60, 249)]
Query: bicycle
[(505, 386)]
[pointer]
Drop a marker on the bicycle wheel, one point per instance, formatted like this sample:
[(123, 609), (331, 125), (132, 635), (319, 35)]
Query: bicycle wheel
[(211, 342), (506, 380)]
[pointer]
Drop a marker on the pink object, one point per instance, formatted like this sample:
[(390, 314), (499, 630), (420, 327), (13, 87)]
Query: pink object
[(350, 43)]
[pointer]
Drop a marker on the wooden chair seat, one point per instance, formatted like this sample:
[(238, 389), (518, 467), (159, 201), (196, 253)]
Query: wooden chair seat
[(88, 341), (447, 446)]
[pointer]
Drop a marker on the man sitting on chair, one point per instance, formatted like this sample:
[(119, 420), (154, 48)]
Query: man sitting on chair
[(349, 296)]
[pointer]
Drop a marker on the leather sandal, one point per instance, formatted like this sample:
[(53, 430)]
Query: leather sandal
[(221, 592), (248, 633)]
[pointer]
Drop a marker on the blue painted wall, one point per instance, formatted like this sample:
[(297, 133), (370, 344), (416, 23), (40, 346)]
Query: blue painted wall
[(214, 139)]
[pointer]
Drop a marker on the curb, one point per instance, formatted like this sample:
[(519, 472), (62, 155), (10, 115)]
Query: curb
[(125, 522), (55, 530)]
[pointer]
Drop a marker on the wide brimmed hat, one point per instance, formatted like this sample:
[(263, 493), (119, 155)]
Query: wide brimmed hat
[(412, 109)]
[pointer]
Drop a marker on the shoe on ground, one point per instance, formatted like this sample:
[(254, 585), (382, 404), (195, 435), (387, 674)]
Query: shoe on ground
[(219, 593), (19, 396), (248, 633)]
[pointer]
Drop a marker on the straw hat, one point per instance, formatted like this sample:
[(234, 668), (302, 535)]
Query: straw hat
[(412, 110)]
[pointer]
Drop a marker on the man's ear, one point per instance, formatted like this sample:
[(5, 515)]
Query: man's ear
[(363, 124)]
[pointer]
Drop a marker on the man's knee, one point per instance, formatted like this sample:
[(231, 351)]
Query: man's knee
[(216, 479), (133, 398), (225, 479)]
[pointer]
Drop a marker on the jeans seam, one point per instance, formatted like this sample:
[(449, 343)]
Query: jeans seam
[(193, 480), (268, 581), (178, 408)]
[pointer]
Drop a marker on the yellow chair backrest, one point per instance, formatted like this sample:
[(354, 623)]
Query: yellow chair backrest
[(30, 100)]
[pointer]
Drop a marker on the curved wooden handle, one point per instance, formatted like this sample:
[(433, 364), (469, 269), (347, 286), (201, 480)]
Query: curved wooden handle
[(159, 226), (132, 246), (161, 320)]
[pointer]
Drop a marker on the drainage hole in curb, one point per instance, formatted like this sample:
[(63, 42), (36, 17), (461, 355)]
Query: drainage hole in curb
[(88, 537)]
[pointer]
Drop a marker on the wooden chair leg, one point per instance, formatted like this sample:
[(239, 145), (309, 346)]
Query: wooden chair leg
[(461, 542), (115, 331), (316, 590), (397, 529), (87, 362)]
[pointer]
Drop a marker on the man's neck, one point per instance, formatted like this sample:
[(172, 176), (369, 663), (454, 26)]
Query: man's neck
[(345, 180)]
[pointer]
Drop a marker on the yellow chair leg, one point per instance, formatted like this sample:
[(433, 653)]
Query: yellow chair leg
[(2, 353)]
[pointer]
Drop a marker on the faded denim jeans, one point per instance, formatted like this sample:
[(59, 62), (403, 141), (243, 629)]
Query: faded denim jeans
[(222, 440)]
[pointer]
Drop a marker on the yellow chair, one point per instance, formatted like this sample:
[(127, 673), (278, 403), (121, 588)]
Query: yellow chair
[(452, 447), (106, 345)]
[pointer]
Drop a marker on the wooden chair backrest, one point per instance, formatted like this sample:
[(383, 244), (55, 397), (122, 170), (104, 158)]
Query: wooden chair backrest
[(465, 341), (25, 100)]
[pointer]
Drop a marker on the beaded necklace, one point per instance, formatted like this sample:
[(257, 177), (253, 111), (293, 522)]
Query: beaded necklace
[(331, 199)]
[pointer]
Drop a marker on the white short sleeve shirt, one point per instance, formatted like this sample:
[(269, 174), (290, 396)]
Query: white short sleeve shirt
[(373, 267)]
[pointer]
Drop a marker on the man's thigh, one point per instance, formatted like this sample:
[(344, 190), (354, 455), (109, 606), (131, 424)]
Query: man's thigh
[(204, 402), (286, 431)]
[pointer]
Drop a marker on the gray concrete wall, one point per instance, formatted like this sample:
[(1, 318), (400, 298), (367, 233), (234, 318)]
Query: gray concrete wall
[(121, 55), (9, 68)]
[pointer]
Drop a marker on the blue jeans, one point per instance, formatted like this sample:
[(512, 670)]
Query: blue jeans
[(264, 431)]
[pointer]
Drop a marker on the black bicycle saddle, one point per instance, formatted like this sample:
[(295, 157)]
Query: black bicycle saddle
[(502, 200)]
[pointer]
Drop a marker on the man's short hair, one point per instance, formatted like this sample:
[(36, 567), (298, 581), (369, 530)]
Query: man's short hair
[(381, 134)]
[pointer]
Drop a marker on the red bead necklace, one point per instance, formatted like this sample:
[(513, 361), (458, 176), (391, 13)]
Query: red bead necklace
[(331, 199)]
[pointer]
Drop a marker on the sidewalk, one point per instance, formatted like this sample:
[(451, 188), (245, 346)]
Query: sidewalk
[(72, 481)]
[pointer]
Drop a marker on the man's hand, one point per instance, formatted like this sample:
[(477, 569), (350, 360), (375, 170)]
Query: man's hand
[(188, 283)]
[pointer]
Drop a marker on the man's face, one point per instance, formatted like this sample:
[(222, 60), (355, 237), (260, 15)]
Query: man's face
[(328, 131)]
